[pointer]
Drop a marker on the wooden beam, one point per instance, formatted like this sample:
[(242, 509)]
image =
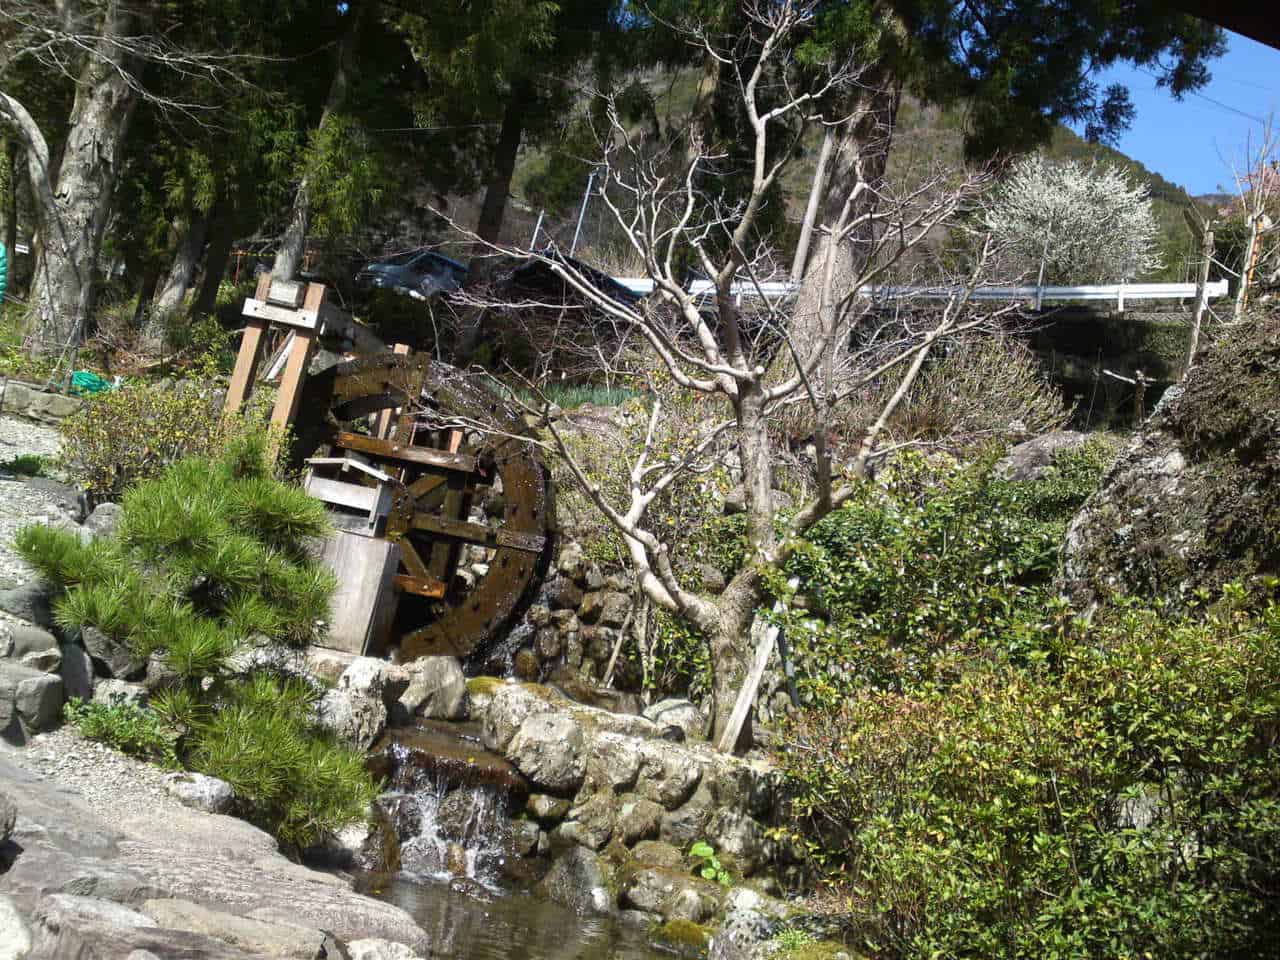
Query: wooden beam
[(477, 533), (383, 425), (295, 371), (246, 368), (422, 586), (395, 451)]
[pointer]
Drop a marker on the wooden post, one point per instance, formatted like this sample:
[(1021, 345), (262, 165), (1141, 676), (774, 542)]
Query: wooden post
[(1202, 299), (295, 368), (383, 423), (246, 368), (747, 695)]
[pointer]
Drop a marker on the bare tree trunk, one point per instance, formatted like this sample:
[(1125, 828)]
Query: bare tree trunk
[(859, 156), (221, 238), (293, 244), (146, 294), (191, 234), (1202, 298), (816, 191), (10, 235), (492, 212), (73, 214), (698, 126)]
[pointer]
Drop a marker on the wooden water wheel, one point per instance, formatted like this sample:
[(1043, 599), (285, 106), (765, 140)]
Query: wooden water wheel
[(449, 476)]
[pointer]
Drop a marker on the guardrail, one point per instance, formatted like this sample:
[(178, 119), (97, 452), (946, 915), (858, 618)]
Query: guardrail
[(1119, 293)]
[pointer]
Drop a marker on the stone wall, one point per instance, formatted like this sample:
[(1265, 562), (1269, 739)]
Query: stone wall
[(21, 399)]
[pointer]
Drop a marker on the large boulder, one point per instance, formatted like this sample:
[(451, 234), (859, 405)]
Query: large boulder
[(677, 713), (1194, 501), (104, 520), (119, 692), (580, 880), (437, 690), (30, 700), (200, 792), (352, 717), (256, 937), (31, 601), (112, 657), (509, 706), (547, 749), (1031, 459), (77, 672)]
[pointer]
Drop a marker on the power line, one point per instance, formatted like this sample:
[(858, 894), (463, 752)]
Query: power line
[(1209, 99)]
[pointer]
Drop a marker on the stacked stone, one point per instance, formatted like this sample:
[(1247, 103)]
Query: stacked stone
[(618, 804)]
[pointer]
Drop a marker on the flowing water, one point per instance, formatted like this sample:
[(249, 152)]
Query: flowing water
[(458, 877)]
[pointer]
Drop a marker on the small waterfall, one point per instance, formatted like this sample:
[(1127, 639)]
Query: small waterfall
[(447, 806), (458, 833)]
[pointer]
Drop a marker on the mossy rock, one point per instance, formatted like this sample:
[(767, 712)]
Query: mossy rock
[(1194, 502), (689, 939), (484, 686)]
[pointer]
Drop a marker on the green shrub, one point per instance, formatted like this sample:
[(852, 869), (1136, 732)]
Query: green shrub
[(209, 560), (1118, 798), (27, 465), (936, 564), (133, 433), (127, 727)]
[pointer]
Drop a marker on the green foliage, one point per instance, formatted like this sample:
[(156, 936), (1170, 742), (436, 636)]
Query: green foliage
[(935, 564), (1118, 797), (127, 727), (134, 433), (28, 465), (790, 939), (301, 784), (707, 865), (208, 561)]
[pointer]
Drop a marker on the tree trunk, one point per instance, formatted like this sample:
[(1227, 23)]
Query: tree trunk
[(859, 154), (146, 293), (492, 213), (293, 244), (191, 235), (222, 235), (731, 652), (73, 215), (730, 639), (493, 209), (10, 235)]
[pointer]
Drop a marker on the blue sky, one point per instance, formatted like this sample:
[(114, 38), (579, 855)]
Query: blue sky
[(1186, 141)]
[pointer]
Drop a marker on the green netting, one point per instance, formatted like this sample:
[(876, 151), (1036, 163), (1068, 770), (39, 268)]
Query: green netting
[(83, 381)]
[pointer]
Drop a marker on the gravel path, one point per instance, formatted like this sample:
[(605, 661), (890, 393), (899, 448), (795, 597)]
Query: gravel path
[(28, 500), (114, 786)]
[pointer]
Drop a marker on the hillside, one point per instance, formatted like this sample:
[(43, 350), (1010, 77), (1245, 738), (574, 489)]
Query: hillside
[(554, 177)]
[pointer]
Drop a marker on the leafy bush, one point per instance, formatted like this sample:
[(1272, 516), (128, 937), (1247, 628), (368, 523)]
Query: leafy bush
[(27, 465), (127, 727), (1120, 797), (209, 559), (133, 433), (935, 565)]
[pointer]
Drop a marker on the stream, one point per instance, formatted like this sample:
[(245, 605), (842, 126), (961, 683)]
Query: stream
[(514, 925), (457, 875)]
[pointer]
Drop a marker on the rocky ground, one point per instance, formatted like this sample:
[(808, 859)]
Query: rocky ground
[(24, 500)]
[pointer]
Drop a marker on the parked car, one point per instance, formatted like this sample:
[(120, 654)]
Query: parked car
[(421, 274)]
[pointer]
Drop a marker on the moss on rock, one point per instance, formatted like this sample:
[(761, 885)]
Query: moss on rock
[(686, 936), (1194, 502)]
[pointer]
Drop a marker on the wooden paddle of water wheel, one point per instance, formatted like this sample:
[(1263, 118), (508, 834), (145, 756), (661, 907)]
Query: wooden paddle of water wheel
[(449, 474)]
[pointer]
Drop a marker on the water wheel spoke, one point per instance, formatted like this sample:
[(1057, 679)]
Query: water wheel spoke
[(465, 532), (427, 456), (422, 586)]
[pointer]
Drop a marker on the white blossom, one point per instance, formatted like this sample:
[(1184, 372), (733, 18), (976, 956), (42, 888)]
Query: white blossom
[(1088, 222)]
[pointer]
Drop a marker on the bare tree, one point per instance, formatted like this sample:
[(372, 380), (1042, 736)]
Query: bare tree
[(712, 346), (1257, 193)]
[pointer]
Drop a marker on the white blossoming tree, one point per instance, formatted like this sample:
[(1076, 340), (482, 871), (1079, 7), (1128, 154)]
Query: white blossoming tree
[(1068, 222)]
